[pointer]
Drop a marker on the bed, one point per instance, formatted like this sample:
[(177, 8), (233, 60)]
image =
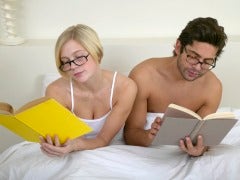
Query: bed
[(24, 160), (120, 161)]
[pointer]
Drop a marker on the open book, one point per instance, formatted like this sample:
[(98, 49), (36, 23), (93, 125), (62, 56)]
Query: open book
[(41, 117), (179, 122)]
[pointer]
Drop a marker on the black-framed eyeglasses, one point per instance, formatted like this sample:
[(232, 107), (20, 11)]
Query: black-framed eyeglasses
[(207, 64), (78, 61)]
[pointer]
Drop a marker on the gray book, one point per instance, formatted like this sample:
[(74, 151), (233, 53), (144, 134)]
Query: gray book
[(179, 122)]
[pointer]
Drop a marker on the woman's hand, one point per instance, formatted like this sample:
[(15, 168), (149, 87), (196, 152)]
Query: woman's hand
[(54, 147)]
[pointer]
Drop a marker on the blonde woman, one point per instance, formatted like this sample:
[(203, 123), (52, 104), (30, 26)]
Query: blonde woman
[(101, 98)]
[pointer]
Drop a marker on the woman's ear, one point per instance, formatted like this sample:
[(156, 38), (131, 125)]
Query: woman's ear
[(177, 47)]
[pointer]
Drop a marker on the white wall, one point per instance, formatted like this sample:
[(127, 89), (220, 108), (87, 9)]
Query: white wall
[(125, 18), (22, 67)]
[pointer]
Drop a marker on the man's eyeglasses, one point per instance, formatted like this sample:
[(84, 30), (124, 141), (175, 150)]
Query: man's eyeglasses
[(80, 60), (207, 64)]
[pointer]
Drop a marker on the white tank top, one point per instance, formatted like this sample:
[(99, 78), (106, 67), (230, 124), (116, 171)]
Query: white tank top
[(95, 124)]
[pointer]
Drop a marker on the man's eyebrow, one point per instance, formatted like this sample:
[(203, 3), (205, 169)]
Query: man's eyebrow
[(198, 55), (194, 52)]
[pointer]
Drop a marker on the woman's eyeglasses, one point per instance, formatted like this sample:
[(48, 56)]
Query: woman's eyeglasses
[(78, 61)]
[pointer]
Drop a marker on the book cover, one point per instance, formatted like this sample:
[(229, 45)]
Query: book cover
[(41, 117), (179, 122)]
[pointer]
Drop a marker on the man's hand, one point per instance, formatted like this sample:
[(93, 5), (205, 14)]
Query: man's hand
[(197, 150), (155, 128)]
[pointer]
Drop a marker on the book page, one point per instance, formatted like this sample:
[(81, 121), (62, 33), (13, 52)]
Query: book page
[(5, 108), (177, 111), (220, 115), (31, 104)]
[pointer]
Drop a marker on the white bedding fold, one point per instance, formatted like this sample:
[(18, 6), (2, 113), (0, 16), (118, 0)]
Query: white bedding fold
[(25, 161)]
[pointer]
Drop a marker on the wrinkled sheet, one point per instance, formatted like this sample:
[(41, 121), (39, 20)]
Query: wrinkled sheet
[(26, 161)]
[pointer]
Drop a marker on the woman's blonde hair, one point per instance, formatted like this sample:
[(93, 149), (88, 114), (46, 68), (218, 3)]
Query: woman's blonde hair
[(85, 36)]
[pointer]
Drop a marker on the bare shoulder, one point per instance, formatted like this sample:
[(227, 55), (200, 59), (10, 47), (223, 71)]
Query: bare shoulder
[(125, 90), (125, 84), (121, 81), (210, 89), (57, 87), (213, 81), (213, 90), (145, 66), (149, 70)]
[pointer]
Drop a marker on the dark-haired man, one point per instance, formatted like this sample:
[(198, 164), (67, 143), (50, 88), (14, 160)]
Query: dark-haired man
[(185, 79)]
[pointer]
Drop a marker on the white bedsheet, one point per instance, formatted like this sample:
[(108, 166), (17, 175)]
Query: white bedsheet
[(26, 161)]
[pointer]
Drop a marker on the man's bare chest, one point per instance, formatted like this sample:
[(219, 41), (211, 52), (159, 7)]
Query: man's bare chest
[(161, 97)]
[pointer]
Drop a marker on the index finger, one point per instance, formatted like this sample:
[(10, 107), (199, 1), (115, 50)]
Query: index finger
[(49, 139), (158, 120)]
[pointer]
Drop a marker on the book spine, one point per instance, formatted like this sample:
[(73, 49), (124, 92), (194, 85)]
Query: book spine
[(193, 135)]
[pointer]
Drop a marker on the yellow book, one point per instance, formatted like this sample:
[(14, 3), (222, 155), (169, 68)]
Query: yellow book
[(41, 117)]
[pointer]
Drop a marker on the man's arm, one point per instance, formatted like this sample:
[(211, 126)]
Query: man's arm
[(213, 99), (134, 132)]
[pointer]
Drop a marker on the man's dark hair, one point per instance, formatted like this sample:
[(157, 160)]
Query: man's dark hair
[(204, 30)]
